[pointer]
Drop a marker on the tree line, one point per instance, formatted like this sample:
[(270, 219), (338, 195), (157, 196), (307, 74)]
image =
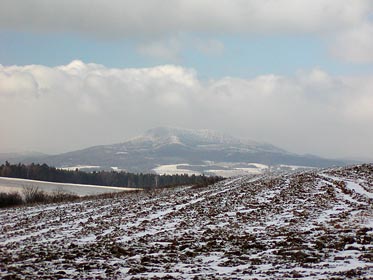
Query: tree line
[(43, 172)]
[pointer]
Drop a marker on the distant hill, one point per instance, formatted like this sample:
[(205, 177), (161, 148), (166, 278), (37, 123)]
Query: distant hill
[(20, 157), (176, 150)]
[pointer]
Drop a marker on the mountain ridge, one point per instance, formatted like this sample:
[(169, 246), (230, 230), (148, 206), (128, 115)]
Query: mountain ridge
[(163, 146)]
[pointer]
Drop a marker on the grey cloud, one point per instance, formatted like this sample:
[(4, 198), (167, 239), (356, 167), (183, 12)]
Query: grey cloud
[(354, 44), (168, 50), (154, 17), (78, 105), (158, 24)]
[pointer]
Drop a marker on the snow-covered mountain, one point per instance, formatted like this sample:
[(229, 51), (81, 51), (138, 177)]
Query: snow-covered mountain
[(176, 150)]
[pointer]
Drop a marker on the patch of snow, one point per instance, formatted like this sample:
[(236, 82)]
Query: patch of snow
[(358, 189), (295, 167), (117, 169), (14, 184), (172, 169), (72, 168)]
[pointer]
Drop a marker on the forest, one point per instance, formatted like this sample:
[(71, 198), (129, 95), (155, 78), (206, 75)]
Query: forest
[(43, 172)]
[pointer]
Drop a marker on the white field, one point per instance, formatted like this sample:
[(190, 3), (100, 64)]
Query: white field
[(172, 169), (228, 169), (72, 168), (14, 184), (310, 225)]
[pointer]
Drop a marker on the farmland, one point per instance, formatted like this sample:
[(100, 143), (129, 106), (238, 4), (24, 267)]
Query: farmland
[(314, 225)]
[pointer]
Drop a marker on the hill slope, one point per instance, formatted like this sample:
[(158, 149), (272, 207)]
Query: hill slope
[(191, 151), (315, 225), (18, 185)]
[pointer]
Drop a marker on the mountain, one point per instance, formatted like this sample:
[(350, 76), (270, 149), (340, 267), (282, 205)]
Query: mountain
[(176, 150), (306, 225), (21, 156)]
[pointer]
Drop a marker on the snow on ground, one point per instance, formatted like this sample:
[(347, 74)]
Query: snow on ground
[(225, 173), (294, 167), (15, 184), (72, 168), (258, 165), (117, 169), (308, 225), (172, 169), (225, 169), (228, 169)]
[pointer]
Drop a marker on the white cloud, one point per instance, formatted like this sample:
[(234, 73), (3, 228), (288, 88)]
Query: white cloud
[(78, 105)]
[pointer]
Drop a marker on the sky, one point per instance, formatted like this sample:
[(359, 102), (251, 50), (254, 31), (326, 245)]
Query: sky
[(294, 73)]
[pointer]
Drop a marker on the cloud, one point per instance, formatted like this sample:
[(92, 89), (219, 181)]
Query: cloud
[(346, 25), (210, 46), (355, 44), (171, 49), (118, 18), (55, 109), (168, 50)]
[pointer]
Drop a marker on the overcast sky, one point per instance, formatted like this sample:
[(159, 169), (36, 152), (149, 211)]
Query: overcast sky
[(294, 73)]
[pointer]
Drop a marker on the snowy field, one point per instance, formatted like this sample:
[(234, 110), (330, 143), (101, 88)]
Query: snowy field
[(225, 169), (173, 169), (14, 184), (311, 225)]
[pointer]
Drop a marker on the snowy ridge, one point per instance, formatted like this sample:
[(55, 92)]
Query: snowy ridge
[(309, 225), (161, 136), (170, 146), (203, 135)]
